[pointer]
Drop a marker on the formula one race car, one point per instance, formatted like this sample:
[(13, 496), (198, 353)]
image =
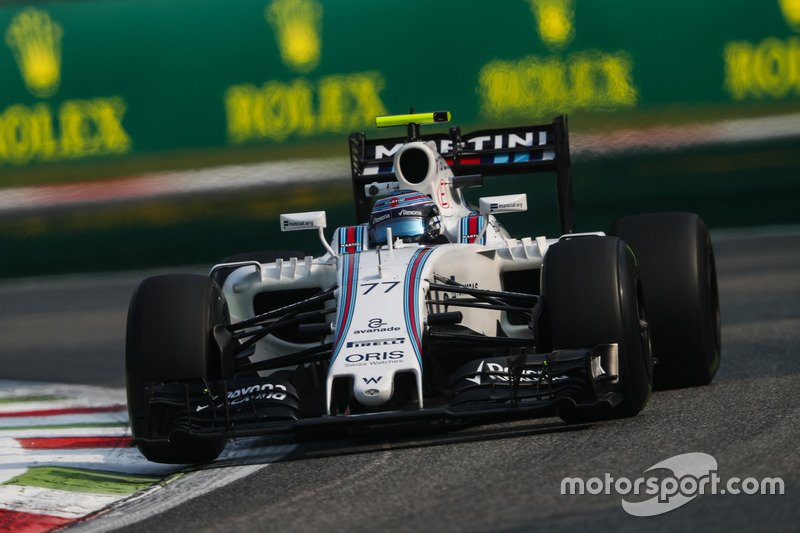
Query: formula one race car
[(426, 309)]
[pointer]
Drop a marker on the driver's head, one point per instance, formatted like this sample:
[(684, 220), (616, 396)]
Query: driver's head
[(412, 216)]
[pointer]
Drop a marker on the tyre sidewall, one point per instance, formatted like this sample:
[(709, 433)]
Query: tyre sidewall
[(676, 262), (592, 297)]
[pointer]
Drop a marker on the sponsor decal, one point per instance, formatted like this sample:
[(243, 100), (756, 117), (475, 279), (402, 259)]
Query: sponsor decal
[(375, 357), (506, 205), (377, 330), (297, 223), (766, 70), (372, 380), (376, 342), (303, 106), (264, 391), (376, 325), (351, 239), (35, 40), (497, 372), (471, 227), (588, 79), (554, 21), (44, 131), (469, 284), (482, 142), (442, 189), (298, 26)]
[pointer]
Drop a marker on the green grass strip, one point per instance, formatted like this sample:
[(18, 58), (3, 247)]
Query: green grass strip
[(83, 480), (21, 399)]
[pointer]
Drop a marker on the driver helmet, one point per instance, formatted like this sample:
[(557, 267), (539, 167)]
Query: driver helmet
[(412, 216)]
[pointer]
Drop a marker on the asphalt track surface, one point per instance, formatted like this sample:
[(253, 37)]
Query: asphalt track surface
[(501, 477)]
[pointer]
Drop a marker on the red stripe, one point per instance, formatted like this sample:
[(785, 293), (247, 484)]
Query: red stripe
[(74, 443), (71, 411), (351, 239), (472, 225), (412, 311), (346, 310), (465, 161), (20, 522)]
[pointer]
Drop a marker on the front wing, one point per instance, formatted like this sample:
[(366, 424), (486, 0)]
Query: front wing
[(486, 390)]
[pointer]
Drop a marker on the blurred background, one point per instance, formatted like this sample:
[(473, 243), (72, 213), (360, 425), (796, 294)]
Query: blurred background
[(149, 134)]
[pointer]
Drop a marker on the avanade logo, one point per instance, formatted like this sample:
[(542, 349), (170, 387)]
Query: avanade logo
[(692, 474)]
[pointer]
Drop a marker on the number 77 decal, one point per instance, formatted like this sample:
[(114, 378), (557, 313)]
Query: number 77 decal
[(391, 285)]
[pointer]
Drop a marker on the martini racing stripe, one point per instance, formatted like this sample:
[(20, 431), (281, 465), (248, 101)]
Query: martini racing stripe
[(411, 298), (351, 239), (348, 288), (403, 199), (471, 227)]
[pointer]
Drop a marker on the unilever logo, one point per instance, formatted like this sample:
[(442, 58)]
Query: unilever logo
[(692, 475)]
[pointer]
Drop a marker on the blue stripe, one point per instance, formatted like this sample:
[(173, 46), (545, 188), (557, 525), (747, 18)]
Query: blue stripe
[(345, 312), (412, 293), (357, 244)]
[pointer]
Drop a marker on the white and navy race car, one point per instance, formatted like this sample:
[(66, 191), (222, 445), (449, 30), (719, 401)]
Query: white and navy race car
[(426, 309)]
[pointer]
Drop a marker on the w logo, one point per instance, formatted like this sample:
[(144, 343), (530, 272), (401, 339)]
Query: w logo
[(372, 380)]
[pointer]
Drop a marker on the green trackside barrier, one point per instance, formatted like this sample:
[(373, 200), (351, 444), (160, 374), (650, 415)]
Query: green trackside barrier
[(114, 79), (203, 230)]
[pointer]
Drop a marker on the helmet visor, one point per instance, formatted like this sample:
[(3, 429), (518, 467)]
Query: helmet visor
[(403, 227)]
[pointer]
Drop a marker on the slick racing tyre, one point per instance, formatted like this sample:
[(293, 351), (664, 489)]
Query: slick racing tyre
[(679, 277), (592, 296), (170, 338), (262, 257)]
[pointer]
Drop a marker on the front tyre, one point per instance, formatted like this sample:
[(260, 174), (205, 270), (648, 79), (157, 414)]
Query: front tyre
[(592, 296), (170, 338)]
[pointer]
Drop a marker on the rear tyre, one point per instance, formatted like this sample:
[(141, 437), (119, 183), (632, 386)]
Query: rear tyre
[(676, 262), (591, 296), (170, 338)]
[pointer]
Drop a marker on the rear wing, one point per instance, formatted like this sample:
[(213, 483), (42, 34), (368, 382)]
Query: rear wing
[(490, 152)]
